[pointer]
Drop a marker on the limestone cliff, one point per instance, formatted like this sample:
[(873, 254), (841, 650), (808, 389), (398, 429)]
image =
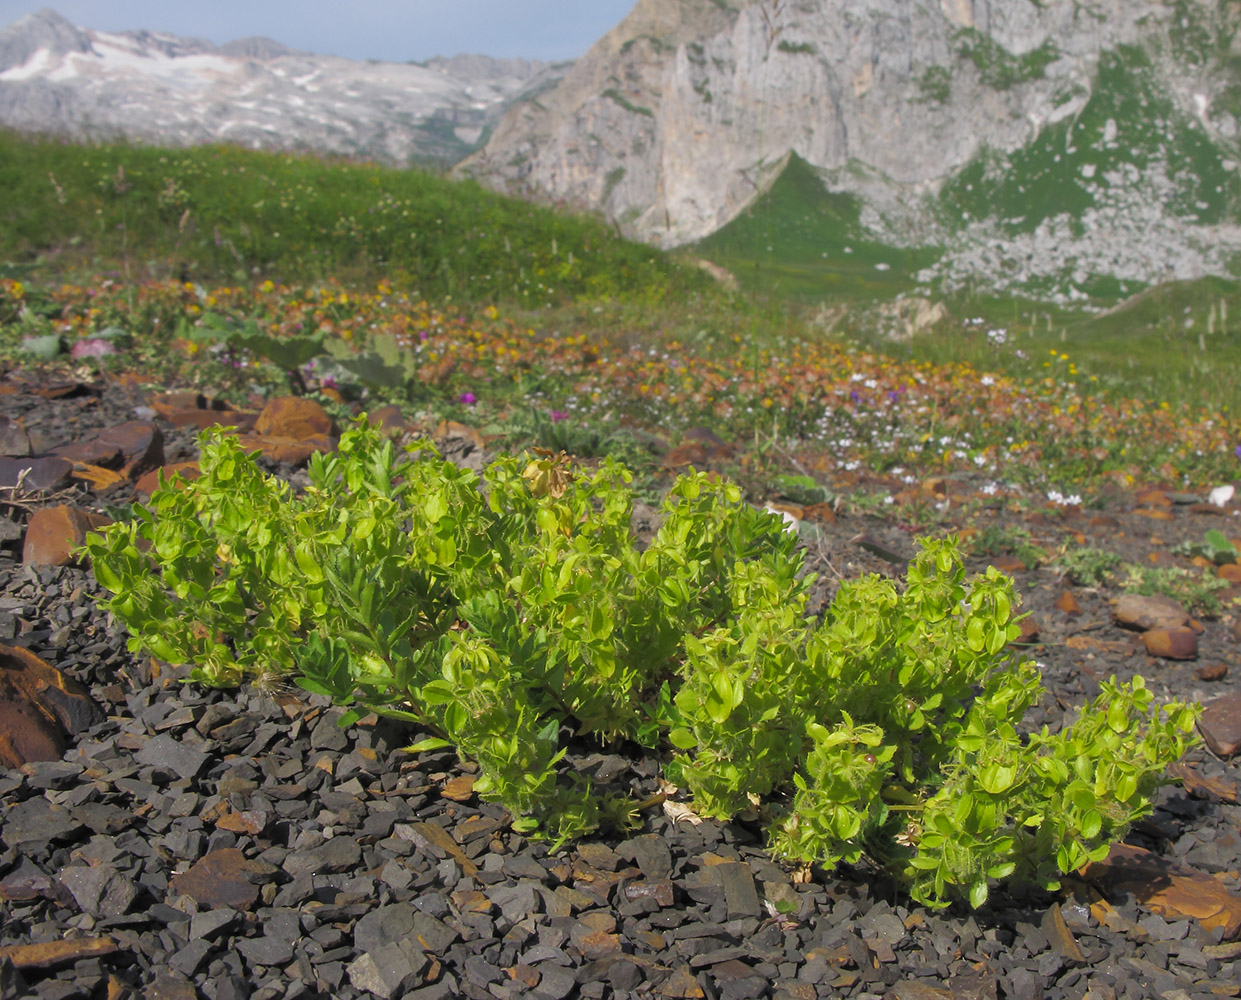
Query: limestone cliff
[(680, 116)]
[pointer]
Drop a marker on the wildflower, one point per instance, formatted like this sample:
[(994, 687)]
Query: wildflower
[(95, 347), (1222, 494), (559, 415), (468, 398)]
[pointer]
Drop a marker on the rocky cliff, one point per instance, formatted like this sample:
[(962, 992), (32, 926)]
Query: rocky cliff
[(681, 116), (56, 78)]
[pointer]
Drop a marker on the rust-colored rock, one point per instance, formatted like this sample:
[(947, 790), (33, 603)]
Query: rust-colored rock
[(141, 443), (1029, 630), (202, 419), (1168, 889), (1146, 612), (149, 482), (14, 440), (49, 473), (1200, 786), (53, 532), (251, 821), (48, 954), (1171, 643), (459, 789), (1067, 603), (1212, 672), (820, 513), (1230, 572), (447, 429), (39, 708), (1153, 498), (223, 878), (293, 417), (168, 403), (390, 418), (1155, 513), (96, 452), (1220, 724), (290, 451)]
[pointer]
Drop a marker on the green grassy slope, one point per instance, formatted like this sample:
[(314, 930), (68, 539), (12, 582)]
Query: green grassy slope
[(219, 214), (799, 240)]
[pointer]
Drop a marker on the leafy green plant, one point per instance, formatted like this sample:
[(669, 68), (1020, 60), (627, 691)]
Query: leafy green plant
[(1089, 567), (289, 354), (1214, 546), (1198, 592), (511, 617)]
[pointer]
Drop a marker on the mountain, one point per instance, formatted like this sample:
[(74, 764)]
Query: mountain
[(1058, 147), (56, 78)]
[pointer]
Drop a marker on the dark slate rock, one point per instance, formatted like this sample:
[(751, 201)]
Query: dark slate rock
[(99, 890), (188, 958), (211, 924), (387, 972), (167, 752), (265, 950), (650, 853), (383, 926), (339, 854), (740, 893)]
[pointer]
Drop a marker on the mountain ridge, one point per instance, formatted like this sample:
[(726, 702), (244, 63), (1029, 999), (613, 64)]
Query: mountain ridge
[(57, 78), (679, 119)]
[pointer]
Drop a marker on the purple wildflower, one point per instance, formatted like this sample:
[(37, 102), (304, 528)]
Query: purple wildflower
[(468, 398), (559, 415)]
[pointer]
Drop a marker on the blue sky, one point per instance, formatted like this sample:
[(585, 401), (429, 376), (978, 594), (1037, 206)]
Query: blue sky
[(395, 30)]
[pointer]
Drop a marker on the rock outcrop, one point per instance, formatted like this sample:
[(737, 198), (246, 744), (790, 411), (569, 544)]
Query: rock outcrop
[(682, 115)]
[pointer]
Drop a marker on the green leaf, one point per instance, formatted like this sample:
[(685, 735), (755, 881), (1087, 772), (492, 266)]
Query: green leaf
[(428, 744)]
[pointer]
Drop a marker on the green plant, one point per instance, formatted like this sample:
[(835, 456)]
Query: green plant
[(1196, 591), (288, 354), (509, 622), (998, 539), (1089, 567), (1214, 546)]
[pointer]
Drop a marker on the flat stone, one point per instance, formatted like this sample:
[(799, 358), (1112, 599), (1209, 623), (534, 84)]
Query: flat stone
[(99, 453), (183, 758), (141, 444), (432, 933), (384, 925), (650, 853), (36, 822), (290, 451), (50, 474), (293, 417), (387, 972), (1179, 643), (1169, 889), (1145, 612), (265, 950), (340, 854), (52, 533), (99, 890), (170, 987), (1220, 724), (1061, 937), (211, 923), (1067, 603), (49, 954), (740, 892), (224, 878)]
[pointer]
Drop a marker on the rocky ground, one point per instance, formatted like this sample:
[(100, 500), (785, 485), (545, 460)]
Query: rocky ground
[(162, 840)]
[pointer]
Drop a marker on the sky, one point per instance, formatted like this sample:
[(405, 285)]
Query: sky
[(393, 30)]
